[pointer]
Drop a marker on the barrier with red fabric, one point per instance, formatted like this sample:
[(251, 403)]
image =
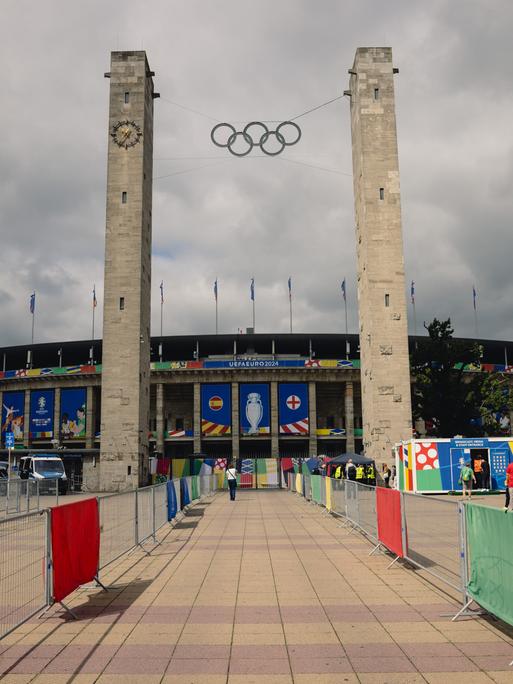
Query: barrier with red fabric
[(388, 510), (75, 545)]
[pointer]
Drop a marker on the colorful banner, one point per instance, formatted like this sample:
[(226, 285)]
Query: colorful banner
[(216, 410), (254, 409), (13, 409), (41, 414), (73, 413), (266, 472), (388, 511), (293, 408), (491, 559)]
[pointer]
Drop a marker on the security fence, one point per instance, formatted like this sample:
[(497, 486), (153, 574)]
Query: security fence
[(430, 533), (126, 520), (23, 496)]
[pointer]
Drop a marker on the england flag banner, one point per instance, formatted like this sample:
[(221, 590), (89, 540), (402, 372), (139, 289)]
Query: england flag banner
[(293, 408)]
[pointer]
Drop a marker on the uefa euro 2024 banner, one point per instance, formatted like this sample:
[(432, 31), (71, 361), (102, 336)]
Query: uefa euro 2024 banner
[(255, 414), (73, 413), (293, 408), (216, 410), (13, 409), (41, 414)]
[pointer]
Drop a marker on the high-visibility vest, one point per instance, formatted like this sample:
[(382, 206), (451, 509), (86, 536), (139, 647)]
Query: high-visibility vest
[(360, 473), (478, 466), (370, 472), (338, 472)]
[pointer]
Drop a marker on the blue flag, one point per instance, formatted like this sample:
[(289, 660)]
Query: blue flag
[(162, 292), (94, 297), (412, 292), (474, 295), (252, 290), (343, 287), (290, 287), (32, 302), (215, 289)]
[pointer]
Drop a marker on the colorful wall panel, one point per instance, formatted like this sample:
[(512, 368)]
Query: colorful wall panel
[(13, 409), (41, 414), (216, 410), (73, 413), (254, 410), (293, 408)]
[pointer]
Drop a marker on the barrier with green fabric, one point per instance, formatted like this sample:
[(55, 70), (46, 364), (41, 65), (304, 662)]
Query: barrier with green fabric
[(489, 538), (194, 487), (316, 489)]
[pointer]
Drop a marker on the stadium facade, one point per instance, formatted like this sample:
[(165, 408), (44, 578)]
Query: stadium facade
[(223, 396)]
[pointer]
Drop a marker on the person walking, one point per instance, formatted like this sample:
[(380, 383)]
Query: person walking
[(231, 476), (486, 475), (467, 477), (509, 488)]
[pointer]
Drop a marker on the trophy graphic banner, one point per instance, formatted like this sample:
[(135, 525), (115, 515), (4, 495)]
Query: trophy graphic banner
[(255, 414)]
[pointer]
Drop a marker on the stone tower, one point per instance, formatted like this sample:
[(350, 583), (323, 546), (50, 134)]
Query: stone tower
[(385, 367), (125, 397)]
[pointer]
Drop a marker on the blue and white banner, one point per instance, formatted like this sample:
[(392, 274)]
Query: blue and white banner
[(13, 409), (293, 408), (255, 414), (41, 414)]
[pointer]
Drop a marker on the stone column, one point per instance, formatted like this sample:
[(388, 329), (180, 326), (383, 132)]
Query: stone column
[(57, 414), (312, 419), (90, 416), (235, 421), (349, 415), (197, 417), (26, 420), (160, 417), (275, 448)]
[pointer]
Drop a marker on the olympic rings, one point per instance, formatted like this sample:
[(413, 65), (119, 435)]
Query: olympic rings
[(230, 139)]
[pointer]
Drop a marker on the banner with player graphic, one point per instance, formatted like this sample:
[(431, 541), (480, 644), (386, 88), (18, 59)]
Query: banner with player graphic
[(13, 407), (255, 414), (293, 408), (216, 410)]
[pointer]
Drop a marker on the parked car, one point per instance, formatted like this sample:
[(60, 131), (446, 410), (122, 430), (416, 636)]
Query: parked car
[(47, 469)]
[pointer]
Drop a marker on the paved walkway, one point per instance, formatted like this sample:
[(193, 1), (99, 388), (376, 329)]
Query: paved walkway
[(265, 590)]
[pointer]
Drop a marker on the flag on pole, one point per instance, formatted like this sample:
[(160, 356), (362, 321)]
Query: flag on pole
[(95, 303), (290, 287), (474, 295), (343, 287), (32, 302), (215, 289), (252, 290), (412, 292), (162, 292)]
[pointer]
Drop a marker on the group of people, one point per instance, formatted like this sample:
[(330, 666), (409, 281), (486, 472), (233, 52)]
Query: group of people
[(365, 474), (479, 475)]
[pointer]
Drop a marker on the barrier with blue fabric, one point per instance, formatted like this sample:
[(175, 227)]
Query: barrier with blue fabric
[(172, 507), (185, 498)]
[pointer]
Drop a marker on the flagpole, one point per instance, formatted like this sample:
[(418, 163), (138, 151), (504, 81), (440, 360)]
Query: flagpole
[(345, 312), (254, 315), (474, 296), (33, 318), (290, 303), (217, 311), (92, 326)]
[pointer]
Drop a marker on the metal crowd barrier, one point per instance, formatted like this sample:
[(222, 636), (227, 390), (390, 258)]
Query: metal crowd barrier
[(433, 530), (24, 586), (22, 496)]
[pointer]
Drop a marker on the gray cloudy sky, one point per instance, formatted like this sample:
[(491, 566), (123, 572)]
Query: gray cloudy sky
[(219, 216)]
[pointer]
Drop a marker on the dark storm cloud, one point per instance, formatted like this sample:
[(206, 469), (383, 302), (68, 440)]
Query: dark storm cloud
[(215, 216)]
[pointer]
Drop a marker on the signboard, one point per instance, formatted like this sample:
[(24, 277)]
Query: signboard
[(216, 410), (9, 440), (13, 408), (41, 414), (254, 410), (293, 408), (73, 413)]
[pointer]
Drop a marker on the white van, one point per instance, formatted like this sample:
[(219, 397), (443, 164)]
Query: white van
[(46, 469)]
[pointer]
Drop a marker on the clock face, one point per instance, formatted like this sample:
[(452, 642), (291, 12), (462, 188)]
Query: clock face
[(126, 134)]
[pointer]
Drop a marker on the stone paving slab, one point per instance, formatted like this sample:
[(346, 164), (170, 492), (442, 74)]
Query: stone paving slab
[(266, 590)]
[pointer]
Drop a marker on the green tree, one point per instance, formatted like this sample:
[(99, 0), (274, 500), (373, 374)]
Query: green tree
[(444, 395), (495, 403)]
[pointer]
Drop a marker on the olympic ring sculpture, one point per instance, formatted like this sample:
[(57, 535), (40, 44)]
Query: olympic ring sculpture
[(232, 135)]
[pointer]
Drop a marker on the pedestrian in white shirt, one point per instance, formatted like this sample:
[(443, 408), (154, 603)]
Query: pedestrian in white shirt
[(231, 476)]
